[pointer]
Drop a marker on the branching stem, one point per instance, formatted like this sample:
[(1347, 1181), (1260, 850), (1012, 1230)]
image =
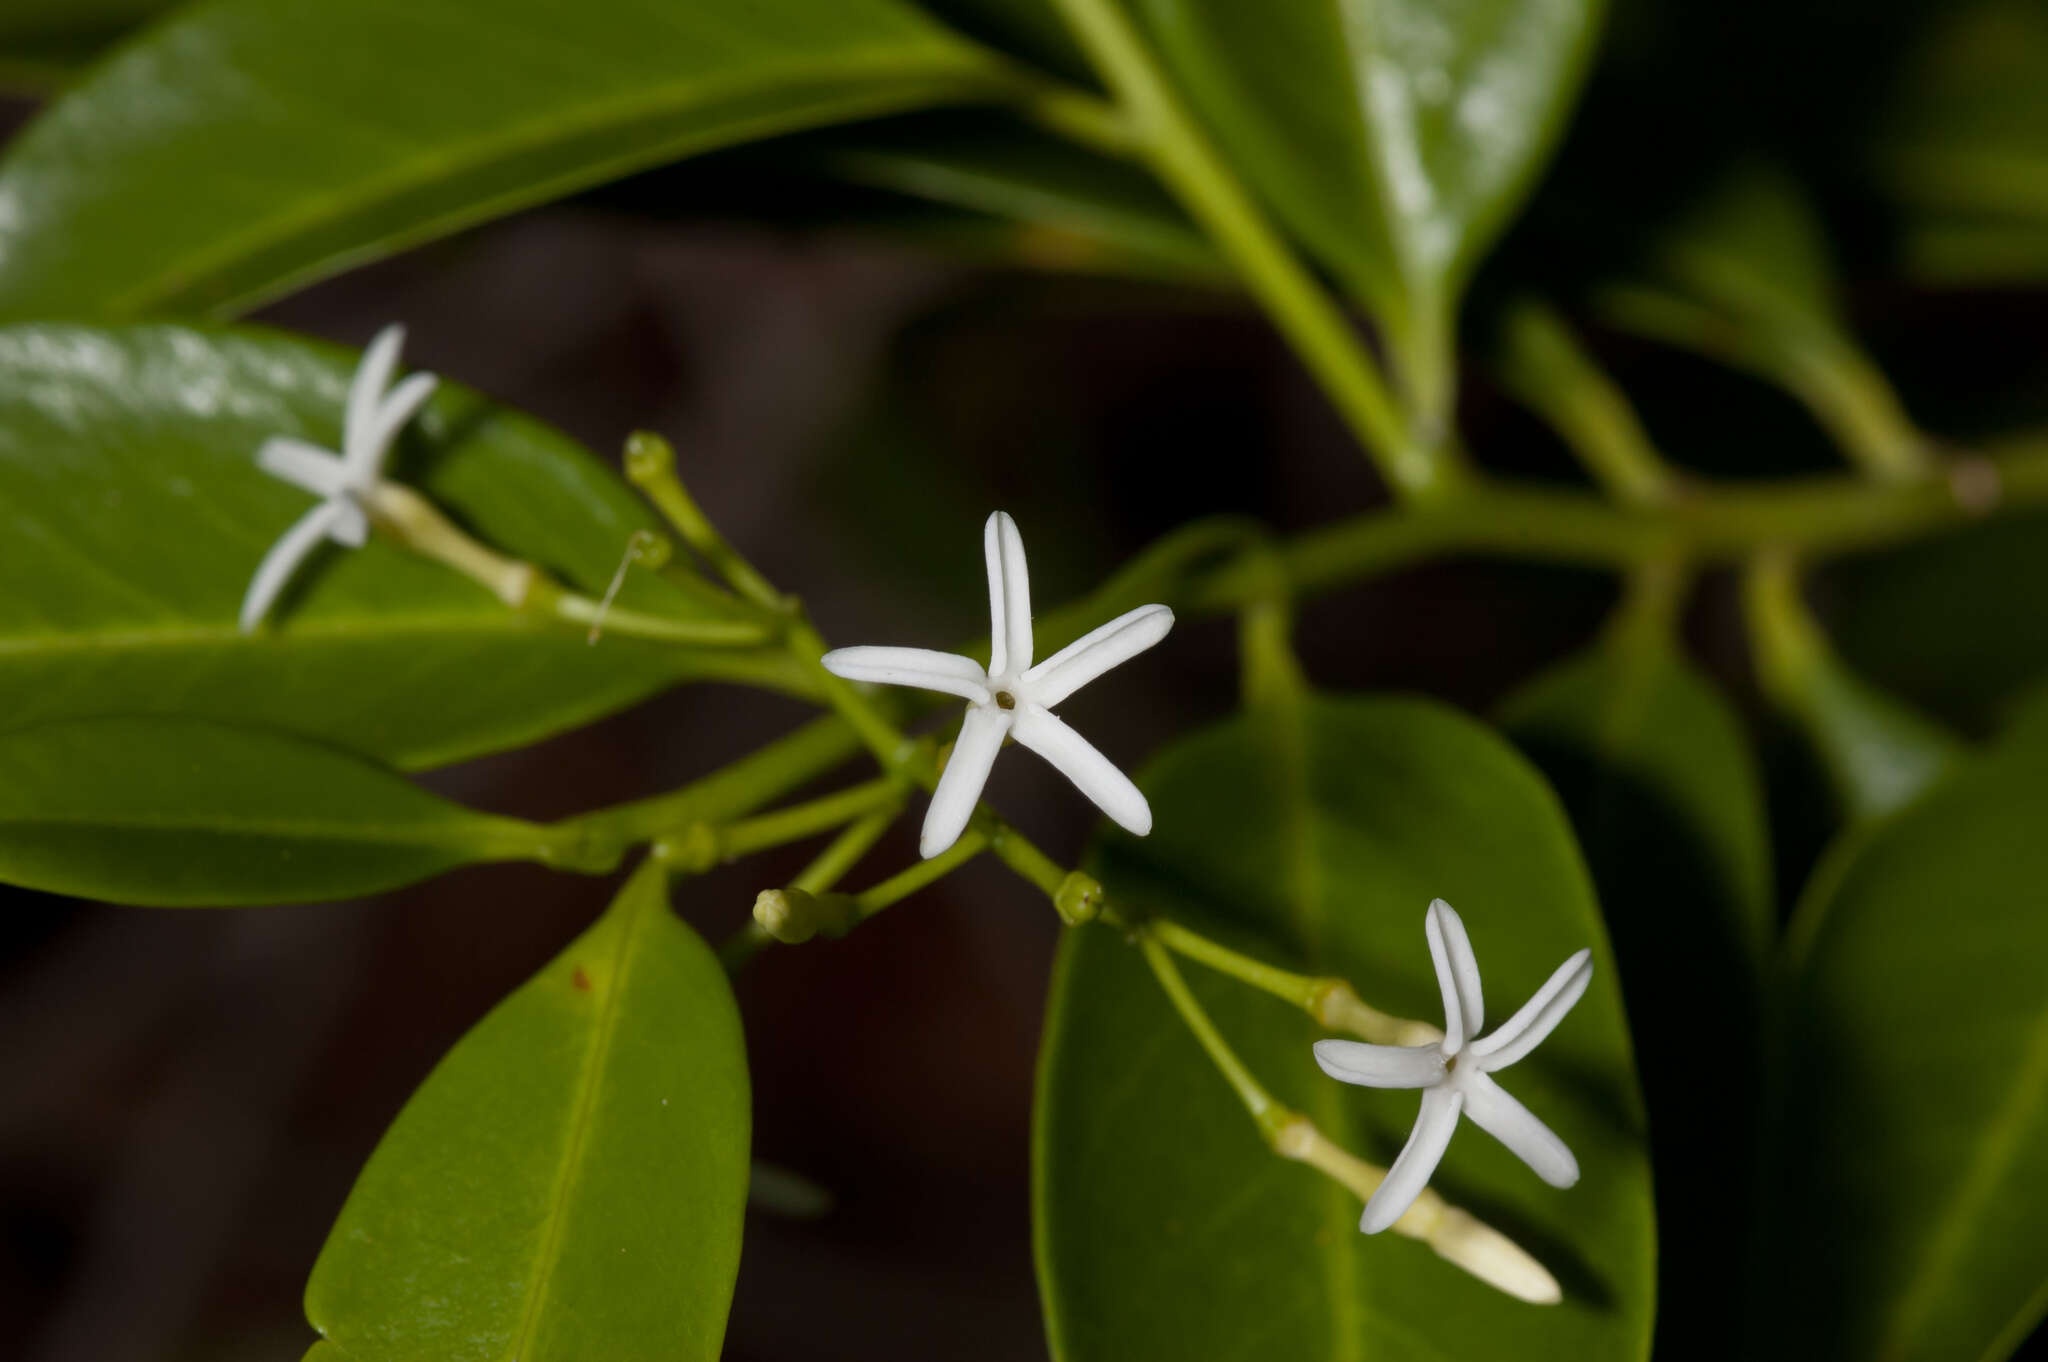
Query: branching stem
[(1331, 1001), (1179, 153)]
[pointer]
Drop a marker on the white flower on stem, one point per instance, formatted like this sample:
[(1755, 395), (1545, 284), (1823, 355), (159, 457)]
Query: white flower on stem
[(1011, 698), (1455, 1073), (343, 482)]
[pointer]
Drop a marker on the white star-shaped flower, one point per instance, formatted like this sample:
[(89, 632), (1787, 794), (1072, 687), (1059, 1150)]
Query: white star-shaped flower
[(1012, 698), (1455, 1073), (370, 425)]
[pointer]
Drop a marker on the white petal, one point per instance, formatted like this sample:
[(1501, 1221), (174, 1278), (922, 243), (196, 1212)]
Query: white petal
[(1092, 773), (1494, 1110), (302, 465), (1381, 1066), (1457, 974), (283, 560), (367, 459), (351, 526), (1009, 597), (1094, 653), (366, 389), (1419, 1158), (974, 752), (1538, 1017), (919, 667)]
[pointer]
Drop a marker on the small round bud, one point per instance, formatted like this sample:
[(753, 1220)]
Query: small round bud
[(648, 456), (650, 550), (1079, 899), (793, 916), (695, 851), (788, 915)]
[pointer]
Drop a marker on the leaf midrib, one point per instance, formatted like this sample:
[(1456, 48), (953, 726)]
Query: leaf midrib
[(581, 1117), (1285, 714), (1999, 1144), (509, 833), (501, 623)]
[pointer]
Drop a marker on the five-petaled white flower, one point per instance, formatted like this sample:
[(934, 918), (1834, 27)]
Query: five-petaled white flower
[(370, 425), (1012, 698), (1454, 1073)]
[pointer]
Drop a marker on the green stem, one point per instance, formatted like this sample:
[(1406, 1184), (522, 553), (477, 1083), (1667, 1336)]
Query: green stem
[(1544, 366), (1330, 1001), (797, 914), (1847, 393), (1269, 1115), (1319, 331), (418, 524), (908, 881), (798, 821), (840, 856), (651, 466), (1816, 517), (738, 789), (1082, 118)]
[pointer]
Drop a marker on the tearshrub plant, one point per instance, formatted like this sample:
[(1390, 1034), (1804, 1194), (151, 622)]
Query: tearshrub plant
[(252, 585)]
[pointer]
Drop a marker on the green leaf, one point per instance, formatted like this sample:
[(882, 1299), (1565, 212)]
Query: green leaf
[(569, 1181), (1394, 136), (1668, 802), (1745, 277), (1963, 148), (327, 135), (177, 813), (1879, 753), (1314, 834), (132, 514), (1952, 623), (44, 43), (1032, 29), (1081, 211), (1912, 1142)]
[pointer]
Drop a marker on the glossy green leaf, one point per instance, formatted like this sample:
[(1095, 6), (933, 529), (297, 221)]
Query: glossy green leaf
[(1394, 136), (1953, 623), (1031, 29), (174, 813), (1080, 211), (1964, 146), (1745, 276), (325, 135), (1665, 793), (44, 43), (132, 513), (1912, 1134), (569, 1181), (1879, 753), (1314, 834)]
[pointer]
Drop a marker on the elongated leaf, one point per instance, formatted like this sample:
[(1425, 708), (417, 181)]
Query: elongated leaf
[(569, 1181), (1082, 211), (252, 145), (1879, 753), (1315, 835), (1964, 146), (132, 514), (1032, 29), (1395, 136), (46, 42), (1668, 802), (174, 813), (1745, 277), (1951, 623), (1912, 1144)]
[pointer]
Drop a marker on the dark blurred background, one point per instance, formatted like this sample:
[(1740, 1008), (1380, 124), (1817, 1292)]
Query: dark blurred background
[(188, 1095)]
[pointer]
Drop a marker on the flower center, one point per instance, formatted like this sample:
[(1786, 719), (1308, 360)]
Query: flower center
[(1005, 700)]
